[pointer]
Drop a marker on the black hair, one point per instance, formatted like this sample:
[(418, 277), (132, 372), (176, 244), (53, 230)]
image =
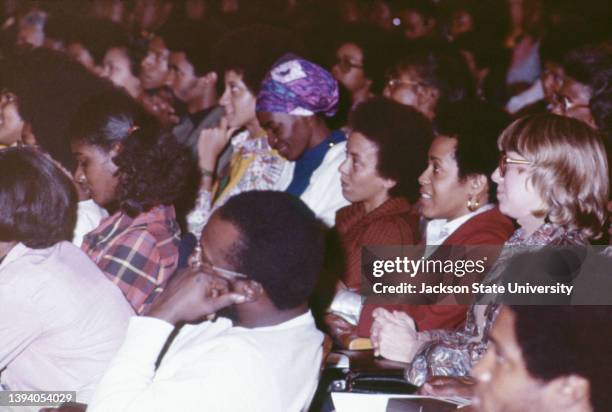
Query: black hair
[(37, 199), (96, 35), (196, 40), (425, 8), (445, 71), (135, 48), (376, 47), (475, 125), (592, 65), (50, 87), (251, 51), (567, 340), (402, 135), (153, 166), (281, 244)]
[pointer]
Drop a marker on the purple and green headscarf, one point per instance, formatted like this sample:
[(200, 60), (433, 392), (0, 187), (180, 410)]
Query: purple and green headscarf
[(298, 87)]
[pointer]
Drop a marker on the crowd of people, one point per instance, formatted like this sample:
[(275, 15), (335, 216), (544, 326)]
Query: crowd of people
[(187, 188)]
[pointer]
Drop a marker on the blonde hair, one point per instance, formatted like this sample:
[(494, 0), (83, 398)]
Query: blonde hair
[(570, 168)]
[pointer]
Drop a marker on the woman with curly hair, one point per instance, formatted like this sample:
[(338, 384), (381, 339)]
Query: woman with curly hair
[(136, 172)]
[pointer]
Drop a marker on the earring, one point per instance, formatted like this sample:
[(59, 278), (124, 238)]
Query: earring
[(81, 179), (472, 205)]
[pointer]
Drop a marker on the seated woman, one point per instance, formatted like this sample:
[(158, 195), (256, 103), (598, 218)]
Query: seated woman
[(456, 195), (385, 152), (360, 61), (429, 80), (61, 320), (292, 95), (252, 164), (121, 64), (555, 202), (136, 172)]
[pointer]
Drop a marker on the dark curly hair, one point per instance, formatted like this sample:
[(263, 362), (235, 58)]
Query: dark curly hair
[(475, 125), (153, 166), (37, 200), (260, 46), (567, 340), (445, 71), (188, 38), (281, 245), (402, 135), (50, 88), (377, 49)]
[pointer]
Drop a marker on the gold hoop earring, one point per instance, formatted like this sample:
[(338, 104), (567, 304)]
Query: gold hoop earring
[(472, 205)]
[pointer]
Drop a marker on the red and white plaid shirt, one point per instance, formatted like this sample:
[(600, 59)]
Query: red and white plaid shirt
[(138, 254)]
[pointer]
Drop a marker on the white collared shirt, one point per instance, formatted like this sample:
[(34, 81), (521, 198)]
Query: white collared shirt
[(213, 366), (438, 230)]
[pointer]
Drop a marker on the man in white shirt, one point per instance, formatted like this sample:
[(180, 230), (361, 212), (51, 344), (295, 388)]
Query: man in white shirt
[(262, 253)]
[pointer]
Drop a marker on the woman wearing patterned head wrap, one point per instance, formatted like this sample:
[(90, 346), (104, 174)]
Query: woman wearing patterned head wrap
[(293, 95)]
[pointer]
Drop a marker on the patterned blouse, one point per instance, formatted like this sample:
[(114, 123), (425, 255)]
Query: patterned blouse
[(138, 254), (452, 353), (254, 166)]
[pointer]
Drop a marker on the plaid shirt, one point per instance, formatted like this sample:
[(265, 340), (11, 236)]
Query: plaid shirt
[(138, 254)]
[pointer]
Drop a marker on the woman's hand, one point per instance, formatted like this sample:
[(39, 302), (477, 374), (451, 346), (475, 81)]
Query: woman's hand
[(449, 386), (211, 143), (394, 335)]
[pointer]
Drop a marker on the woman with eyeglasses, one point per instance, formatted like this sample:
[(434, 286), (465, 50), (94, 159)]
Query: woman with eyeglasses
[(360, 63), (428, 80), (554, 201)]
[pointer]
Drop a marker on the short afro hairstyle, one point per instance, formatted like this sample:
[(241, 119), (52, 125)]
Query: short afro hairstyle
[(37, 199), (561, 341), (260, 46), (475, 125), (281, 245), (196, 40), (402, 135), (153, 167)]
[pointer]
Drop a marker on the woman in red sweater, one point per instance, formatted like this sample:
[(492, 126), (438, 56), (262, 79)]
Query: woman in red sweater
[(456, 193), (386, 151)]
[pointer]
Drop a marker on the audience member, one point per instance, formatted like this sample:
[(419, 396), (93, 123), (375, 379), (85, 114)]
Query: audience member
[(426, 80), (267, 357), (291, 98), (385, 152), (192, 79), (61, 319), (251, 164), (546, 358), (136, 172)]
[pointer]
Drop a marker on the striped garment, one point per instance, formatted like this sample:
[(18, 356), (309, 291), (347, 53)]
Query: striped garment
[(138, 254)]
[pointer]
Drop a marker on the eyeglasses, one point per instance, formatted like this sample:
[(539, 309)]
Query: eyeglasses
[(198, 262), (346, 65), (504, 161), (394, 83)]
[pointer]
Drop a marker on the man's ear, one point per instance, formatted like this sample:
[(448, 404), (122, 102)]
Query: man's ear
[(569, 393), (251, 289)]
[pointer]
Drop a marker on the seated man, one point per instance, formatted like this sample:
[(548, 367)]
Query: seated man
[(262, 253), (547, 358)]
